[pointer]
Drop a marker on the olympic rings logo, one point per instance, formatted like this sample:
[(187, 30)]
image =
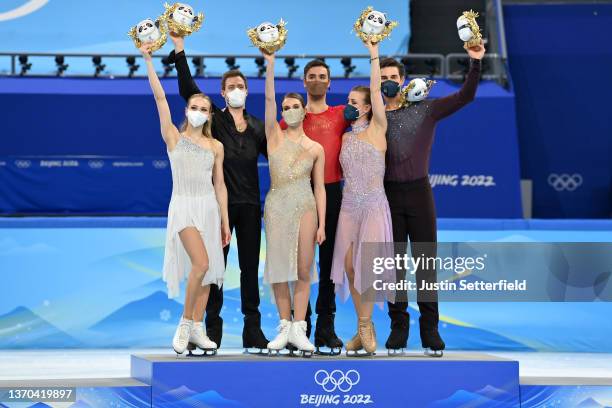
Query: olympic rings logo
[(337, 380), (96, 164), (565, 182), (23, 164), (160, 164)]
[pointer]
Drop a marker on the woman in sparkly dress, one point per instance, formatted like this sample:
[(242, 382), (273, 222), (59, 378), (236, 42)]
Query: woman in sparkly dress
[(364, 227), (198, 226), (294, 217)]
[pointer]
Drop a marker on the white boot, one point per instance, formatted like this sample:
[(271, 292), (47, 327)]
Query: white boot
[(181, 335), (280, 341), (297, 337), (199, 338)]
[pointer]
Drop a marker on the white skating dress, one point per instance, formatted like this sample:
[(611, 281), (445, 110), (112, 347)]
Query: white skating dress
[(193, 204)]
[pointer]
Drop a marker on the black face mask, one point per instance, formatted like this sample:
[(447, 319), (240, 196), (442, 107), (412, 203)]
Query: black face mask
[(390, 88)]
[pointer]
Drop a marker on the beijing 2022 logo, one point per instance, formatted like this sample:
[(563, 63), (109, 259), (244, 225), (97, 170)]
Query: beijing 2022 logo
[(337, 384)]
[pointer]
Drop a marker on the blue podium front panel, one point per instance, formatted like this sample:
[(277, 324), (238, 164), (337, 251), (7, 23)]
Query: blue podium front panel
[(260, 381)]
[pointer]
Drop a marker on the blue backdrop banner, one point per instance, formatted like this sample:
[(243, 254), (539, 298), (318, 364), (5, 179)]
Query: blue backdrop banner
[(95, 147)]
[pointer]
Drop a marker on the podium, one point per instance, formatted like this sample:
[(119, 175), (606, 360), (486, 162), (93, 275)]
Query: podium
[(379, 381)]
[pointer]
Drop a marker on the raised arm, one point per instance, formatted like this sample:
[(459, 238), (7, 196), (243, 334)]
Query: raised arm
[(221, 192), (444, 107), (187, 86), (273, 129), (379, 118), (169, 132)]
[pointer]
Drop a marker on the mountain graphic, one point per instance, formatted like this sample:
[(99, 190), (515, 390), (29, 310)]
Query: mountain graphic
[(147, 322), (590, 403), (22, 328), (145, 310), (463, 398), (211, 399), (80, 404)]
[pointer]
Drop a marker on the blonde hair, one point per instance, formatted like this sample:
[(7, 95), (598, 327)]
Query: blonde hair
[(207, 128)]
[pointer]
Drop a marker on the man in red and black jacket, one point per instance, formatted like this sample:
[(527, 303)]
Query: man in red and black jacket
[(325, 124), (243, 138)]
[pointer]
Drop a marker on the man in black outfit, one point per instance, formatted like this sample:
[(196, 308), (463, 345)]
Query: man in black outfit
[(243, 138)]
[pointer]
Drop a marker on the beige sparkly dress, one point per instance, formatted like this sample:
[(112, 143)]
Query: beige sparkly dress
[(289, 198)]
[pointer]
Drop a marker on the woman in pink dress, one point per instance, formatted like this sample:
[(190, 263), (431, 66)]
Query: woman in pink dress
[(364, 216)]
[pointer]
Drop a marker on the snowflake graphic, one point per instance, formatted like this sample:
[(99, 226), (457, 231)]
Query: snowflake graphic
[(165, 315)]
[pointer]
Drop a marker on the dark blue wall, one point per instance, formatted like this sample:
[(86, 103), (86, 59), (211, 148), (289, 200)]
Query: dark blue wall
[(561, 65), (475, 150)]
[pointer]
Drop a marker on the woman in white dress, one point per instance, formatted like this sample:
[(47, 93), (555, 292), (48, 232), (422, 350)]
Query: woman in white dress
[(198, 227)]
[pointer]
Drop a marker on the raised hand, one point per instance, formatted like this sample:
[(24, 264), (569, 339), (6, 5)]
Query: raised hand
[(145, 50), (372, 47), (179, 42), (476, 52), (268, 57)]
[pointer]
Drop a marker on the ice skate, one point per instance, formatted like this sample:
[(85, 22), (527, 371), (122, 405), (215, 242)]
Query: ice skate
[(281, 339), (253, 339), (199, 340), (327, 342), (298, 339), (397, 342), (181, 335), (353, 345), (367, 335), (431, 340)]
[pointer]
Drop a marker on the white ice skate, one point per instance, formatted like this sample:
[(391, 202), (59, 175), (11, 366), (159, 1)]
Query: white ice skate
[(181, 335), (199, 339), (297, 337), (281, 339)]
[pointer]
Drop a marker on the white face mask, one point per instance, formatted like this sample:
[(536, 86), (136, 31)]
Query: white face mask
[(236, 98), (293, 117), (196, 118)]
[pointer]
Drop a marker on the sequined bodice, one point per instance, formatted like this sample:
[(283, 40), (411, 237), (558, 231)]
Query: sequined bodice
[(192, 167), (290, 163), (363, 166)]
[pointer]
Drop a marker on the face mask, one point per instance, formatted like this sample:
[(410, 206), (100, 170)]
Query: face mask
[(351, 113), (196, 118), (390, 88), (316, 88), (293, 117), (236, 98)]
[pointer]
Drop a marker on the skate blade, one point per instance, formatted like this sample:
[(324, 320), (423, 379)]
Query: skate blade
[(205, 352), (396, 352), (434, 353), (359, 353), (255, 351), (274, 353), (328, 351)]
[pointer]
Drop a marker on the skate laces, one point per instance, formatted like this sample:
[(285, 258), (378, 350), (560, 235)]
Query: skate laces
[(282, 326), (184, 331), (365, 329)]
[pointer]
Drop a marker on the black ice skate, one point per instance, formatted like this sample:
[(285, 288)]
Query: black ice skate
[(253, 339), (327, 342), (432, 342), (397, 342)]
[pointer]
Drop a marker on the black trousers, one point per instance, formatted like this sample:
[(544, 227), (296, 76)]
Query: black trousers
[(245, 219), (326, 300), (413, 215)]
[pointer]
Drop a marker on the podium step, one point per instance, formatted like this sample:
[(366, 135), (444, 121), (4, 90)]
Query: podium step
[(378, 381)]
